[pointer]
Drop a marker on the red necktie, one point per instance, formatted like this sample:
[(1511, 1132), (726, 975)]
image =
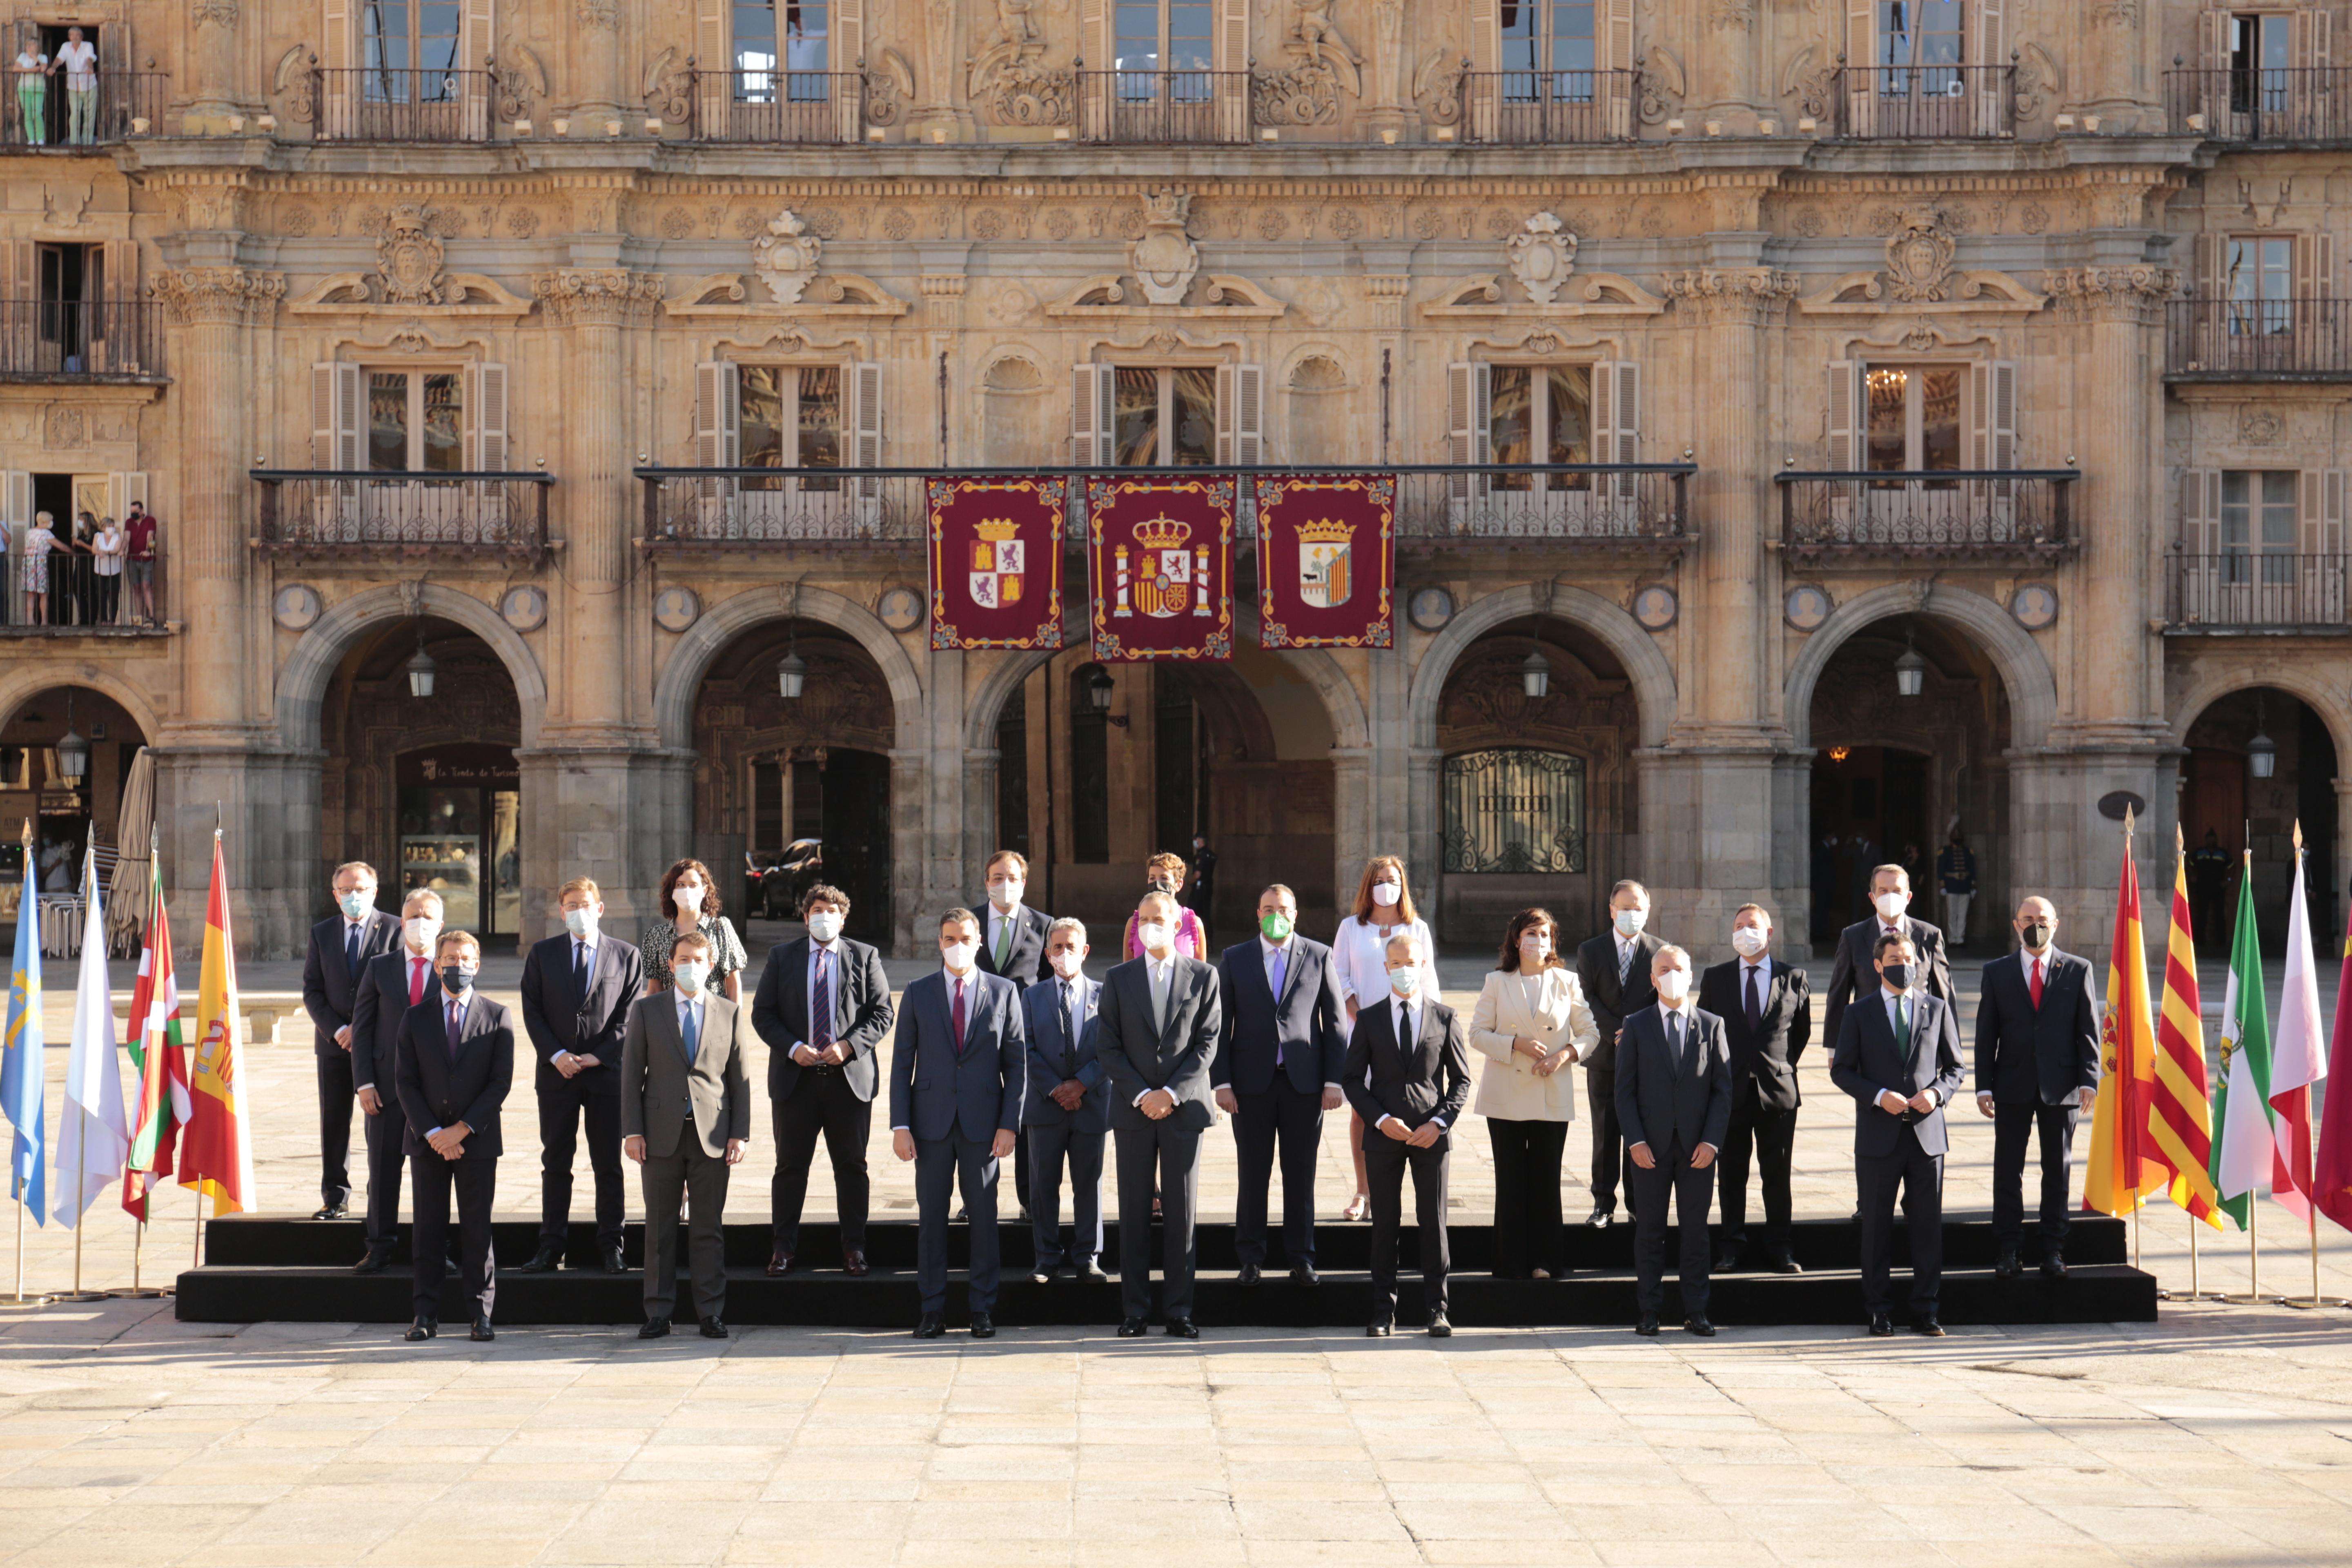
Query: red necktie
[(415, 980), (955, 1017), (2037, 985)]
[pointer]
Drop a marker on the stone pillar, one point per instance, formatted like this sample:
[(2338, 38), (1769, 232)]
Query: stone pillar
[(1724, 65), (597, 48), (212, 57), (2120, 76)]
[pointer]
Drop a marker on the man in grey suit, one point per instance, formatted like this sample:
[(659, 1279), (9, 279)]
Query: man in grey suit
[(1899, 1057), (959, 1071), (1062, 1116), (1157, 1024), (686, 1111), (2037, 1070), (1673, 1101)]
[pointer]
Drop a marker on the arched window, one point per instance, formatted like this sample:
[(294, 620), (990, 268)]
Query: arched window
[(1514, 808)]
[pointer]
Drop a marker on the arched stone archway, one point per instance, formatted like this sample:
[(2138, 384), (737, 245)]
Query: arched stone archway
[(1644, 663), (309, 669), (21, 683), (689, 661), (2212, 682), (2214, 717), (2025, 672)]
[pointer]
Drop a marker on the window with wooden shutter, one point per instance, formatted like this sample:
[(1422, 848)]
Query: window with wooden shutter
[(1241, 404), (1469, 405), (122, 489), (2200, 546), (848, 54), (1992, 412), (334, 106), (714, 80), (866, 434), (335, 408), (1845, 416), (1090, 416), (474, 49), (22, 260), (718, 429), (2314, 265), (1861, 58), (1991, 84), (16, 512), (1616, 422), (486, 410), (2313, 41)]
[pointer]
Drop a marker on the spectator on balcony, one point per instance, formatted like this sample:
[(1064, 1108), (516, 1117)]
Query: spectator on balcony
[(139, 528), (106, 587), (33, 70), (78, 59), (41, 541), (82, 544)]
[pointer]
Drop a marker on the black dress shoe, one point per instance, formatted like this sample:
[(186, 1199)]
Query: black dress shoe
[(1927, 1327), (780, 1261), (1648, 1327), (1380, 1328), (482, 1329), (1131, 1328), (2054, 1266), (331, 1211), (544, 1260), (1091, 1271), (2007, 1266), (1181, 1329), (1600, 1219), (853, 1263), (424, 1328), (1304, 1274), (1248, 1276), (1439, 1327), (1727, 1260), (1699, 1326), (654, 1329), (712, 1328), (984, 1327), (1880, 1327), (1783, 1262), (931, 1327), (376, 1260), (612, 1259)]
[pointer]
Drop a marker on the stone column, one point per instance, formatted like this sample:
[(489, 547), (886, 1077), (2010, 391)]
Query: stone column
[(1725, 65), (211, 56), (2120, 76), (597, 48)]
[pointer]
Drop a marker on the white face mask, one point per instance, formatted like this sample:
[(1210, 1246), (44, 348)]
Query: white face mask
[(1535, 945), (418, 933), (689, 896), (1890, 906), (1674, 985), (690, 976), (1749, 940), (1630, 921), (580, 924), (1004, 895), (1386, 894), (958, 956), (356, 903), (823, 925), (1154, 935), (1405, 979), (1070, 964)]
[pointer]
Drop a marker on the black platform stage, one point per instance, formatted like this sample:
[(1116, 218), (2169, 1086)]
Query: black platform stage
[(283, 1268)]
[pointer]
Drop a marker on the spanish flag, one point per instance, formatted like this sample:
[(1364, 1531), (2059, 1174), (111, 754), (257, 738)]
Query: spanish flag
[(2121, 1171), (2180, 1120), (216, 1151)]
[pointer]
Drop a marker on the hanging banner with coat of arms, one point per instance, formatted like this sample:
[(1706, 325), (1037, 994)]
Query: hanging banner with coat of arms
[(996, 561), (1326, 559), (1161, 552)]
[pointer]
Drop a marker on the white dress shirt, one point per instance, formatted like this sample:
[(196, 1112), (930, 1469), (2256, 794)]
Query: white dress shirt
[(809, 994), (1157, 972), (1894, 1026), (463, 1002), (583, 959), (1407, 1025), (997, 921)]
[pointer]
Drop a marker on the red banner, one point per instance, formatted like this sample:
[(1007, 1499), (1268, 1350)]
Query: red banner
[(996, 561), (1162, 557), (1326, 559)]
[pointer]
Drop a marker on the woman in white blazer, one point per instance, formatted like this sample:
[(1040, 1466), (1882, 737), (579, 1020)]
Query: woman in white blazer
[(1532, 1025)]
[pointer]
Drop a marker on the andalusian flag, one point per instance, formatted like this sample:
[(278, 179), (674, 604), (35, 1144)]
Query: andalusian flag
[(217, 1152), (2298, 1057), (23, 1069), (2244, 1149), (92, 1136), (157, 1057), (2332, 1180), (2180, 1122), (2121, 1170)]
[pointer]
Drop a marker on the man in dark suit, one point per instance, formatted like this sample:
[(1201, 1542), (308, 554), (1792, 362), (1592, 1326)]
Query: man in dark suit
[(1157, 1024), (1407, 1073), (959, 1069), (1673, 1101), (340, 946), (1767, 1017), (576, 991), (822, 1005), (1890, 896), (1063, 1117), (390, 984), (1276, 1072), (1613, 969), (455, 1064), (684, 1106), (1012, 944), (1898, 1055), (2037, 1068)]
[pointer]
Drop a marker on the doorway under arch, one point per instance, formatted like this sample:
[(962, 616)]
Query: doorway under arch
[(2225, 793), (68, 815)]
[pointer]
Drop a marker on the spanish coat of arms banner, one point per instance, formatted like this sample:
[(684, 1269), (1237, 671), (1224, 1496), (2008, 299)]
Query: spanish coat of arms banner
[(1161, 552), (1326, 559), (996, 561)]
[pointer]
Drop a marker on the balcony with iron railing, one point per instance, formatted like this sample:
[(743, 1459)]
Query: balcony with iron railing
[(776, 108), (41, 113), (1550, 108), (1925, 104), (330, 514), (85, 341), (2258, 340), (2256, 590), (1637, 506), (63, 593), (378, 103), (1961, 514), (2281, 105)]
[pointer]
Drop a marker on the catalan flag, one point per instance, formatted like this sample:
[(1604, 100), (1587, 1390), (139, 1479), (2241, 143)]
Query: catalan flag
[(2180, 1120), (2122, 1169), (217, 1151)]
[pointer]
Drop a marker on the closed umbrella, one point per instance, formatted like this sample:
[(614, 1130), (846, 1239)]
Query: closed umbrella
[(129, 896)]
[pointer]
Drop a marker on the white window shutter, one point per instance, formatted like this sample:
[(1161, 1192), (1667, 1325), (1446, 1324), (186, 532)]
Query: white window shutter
[(2314, 265), (718, 421), (335, 417), (2332, 503), (474, 57), (1241, 414), (847, 55), (16, 506), (2201, 511), (485, 411), (2311, 42), (715, 61), (1232, 57), (1479, 107), (1990, 56), (2002, 418), (122, 489), (1616, 418), (1845, 416), (335, 52), (1861, 58), (866, 426), (1469, 427), (2213, 40), (2309, 491), (1228, 401), (1617, 55), (22, 260), (1091, 415)]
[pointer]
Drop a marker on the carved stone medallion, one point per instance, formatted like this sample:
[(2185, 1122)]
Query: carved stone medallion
[(408, 258), (1165, 258), (1542, 256), (785, 257), (1919, 256)]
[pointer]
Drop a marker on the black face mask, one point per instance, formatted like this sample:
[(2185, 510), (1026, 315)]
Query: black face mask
[(1898, 975), (455, 977), (2037, 936)]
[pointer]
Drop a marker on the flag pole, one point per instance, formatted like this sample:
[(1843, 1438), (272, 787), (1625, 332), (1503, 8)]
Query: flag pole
[(2253, 1253), (2192, 1257), (20, 1301)]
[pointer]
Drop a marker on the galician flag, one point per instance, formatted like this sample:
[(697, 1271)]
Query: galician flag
[(2244, 1149), (2332, 1177), (92, 1136), (2119, 1172), (217, 1151), (157, 1057), (2180, 1122), (22, 1068), (2298, 1055)]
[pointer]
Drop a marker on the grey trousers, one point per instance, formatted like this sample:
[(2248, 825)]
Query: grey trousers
[(701, 1179)]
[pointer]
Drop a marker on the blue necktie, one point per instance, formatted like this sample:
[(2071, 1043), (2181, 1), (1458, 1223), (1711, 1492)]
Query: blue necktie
[(1275, 979), (691, 1030)]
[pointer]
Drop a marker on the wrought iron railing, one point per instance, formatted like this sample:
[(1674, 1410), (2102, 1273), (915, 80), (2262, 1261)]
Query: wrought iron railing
[(1939, 103), (1541, 109), (2256, 588), (1599, 502), (778, 107), (65, 592), (2225, 338), (1164, 107), (42, 110), (373, 103), (1924, 512), (319, 510), (2297, 103), (81, 340)]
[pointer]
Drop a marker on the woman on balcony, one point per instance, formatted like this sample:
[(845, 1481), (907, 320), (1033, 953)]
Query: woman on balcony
[(83, 582), (39, 540), (106, 590), (32, 72)]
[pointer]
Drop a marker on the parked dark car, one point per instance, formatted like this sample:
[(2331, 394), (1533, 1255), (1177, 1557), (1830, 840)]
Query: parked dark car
[(774, 879)]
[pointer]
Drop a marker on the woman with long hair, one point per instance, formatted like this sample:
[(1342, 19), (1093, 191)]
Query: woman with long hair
[(1532, 1026), (1384, 907), (689, 902)]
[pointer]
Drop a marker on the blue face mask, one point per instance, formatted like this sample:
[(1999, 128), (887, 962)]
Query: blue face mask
[(354, 904)]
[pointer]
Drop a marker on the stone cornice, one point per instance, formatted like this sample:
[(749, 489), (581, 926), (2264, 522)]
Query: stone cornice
[(225, 295), (2132, 293), (598, 296), (1750, 295)]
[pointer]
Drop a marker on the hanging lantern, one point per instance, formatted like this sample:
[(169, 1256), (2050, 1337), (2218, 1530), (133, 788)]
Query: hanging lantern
[(1099, 687), (2262, 751), (420, 667), (1535, 673), (1910, 670), (73, 753), (792, 673)]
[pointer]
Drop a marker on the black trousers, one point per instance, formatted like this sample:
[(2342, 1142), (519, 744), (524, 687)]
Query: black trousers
[(1526, 1196), (336, 1099), (475, 1181), (1609, 1161), (693, 1173), (387, 1137), (2011, 1126), (1385, 1159), (1282, 1118), (822, 1102), (1921, 1176), (1772, 1134), (1693, 1193), (563, 1104), (1172, 1156), (941, 1165), (1050, 1145)]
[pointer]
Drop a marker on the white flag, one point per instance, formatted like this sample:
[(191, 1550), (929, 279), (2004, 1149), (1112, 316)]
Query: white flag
[(94, 1140)]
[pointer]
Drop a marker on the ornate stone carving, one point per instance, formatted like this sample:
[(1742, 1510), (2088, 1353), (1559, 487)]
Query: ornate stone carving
[(1810, 83), (1014, 86), (597, 296), (1661, 84), (214, 13), (517, 78), (888, 89), (1744, 295), (603, 14), (785, 257), (1541, 257), (2038, 72), (668, 87), (1437, 85), (408, 260), (2258, 426), (2116, 14), (1164, 258), (2134, 294), (1316, 39), (63, 429), (1322, 66), (1722, 13), (295, 82), (1919, 256), (223, 296)]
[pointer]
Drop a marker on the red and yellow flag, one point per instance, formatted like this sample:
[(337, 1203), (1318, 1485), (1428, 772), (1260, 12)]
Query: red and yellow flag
[(217, 1151), (159, 1053), (2120, 1173), (2180, 1115)]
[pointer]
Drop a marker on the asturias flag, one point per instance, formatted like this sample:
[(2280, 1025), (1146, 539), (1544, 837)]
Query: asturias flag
[(2298, 1057), (2119, 1173), (2180, 1122), (2244, 1150), (22, 1068), (157, 1058), (217, 1151)]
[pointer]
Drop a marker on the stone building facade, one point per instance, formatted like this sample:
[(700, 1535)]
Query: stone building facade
[(1733, 249)]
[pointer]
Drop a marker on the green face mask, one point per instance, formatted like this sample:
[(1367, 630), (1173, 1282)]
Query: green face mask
[(1275, 926)]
